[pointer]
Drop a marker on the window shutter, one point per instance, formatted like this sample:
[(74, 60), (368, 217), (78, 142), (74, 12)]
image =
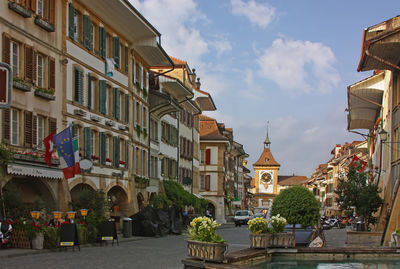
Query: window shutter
[(126, 59), (126, 108), (28, 63), (86, 146), (134, 72), (207, 183), (116, 151), (6, 48), (52, 12), (33, 5), (89, 91), (208, 156), (78, 85), (133, 159), (34, 131), (86, 30), (34, 65), (6, 124), (147, 80), (52, 73), (102, 99), (117, 106), (3, 87), (28, 129), (53, 125), (126, 154), (116, 103), (116, 51), (102, 151), (102, 42), (71, 14)]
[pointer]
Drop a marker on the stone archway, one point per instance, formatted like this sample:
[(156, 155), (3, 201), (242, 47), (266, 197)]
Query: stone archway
[(211, 208), (33, 190), (119, 199), (78, 189)]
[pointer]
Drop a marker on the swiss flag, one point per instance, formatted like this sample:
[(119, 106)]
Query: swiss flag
[(48, 144), (358, 164)]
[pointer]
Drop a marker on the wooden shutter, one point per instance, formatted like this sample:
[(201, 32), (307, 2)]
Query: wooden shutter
[(6, 124), (102, 96), (208, 156), (89, 91), (6, 48), (116, 51), (102, 148), (34, 65), (116, 151), (28, 138), (126, 154), (87, 31), (86, 146), (3, 86), (115, 90), (29, 63), (34, 131), (71, 15), (52, 11), (126, 59), (102, 42), (126, 108), (53, 125), (32, 5), (207, 183), (78, 85), (117, 106), (52, 73)]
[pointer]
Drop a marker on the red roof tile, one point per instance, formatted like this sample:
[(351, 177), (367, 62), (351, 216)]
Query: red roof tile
[(266, 159), (178, 61), (209, 129), (291, 180)]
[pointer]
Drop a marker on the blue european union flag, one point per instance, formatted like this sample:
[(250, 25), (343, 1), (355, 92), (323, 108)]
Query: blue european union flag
[(64, 144)]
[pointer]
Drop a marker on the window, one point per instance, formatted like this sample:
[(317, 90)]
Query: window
[(144, 117), (202, 156), (14, 127), (93, 37), (40, 132), (15, 58), (107, 147), (78, 77), (153, 130), (93, 143), (91, 92), (137, 113), (40, 71), (77, 26)]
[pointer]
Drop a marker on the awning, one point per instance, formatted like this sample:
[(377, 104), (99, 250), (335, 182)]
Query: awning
[(364, 106), (35, 171), (162, 104), (381, 46)]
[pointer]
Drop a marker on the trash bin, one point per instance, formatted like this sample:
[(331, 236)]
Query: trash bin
[(360, 226), (127, 227)]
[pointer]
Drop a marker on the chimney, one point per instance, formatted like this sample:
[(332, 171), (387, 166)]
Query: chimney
[(198, 83), (193, 76)]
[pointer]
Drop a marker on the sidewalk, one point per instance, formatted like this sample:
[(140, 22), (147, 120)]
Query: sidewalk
[(17, 252)]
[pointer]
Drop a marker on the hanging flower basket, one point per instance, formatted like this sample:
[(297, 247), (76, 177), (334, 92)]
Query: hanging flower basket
[(71, 214), (57, 214), (83, 212)]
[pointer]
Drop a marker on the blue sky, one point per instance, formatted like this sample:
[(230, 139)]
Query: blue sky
[(288, 62)]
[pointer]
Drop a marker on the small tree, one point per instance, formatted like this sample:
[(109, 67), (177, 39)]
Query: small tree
[(356, 191), (298, 206)]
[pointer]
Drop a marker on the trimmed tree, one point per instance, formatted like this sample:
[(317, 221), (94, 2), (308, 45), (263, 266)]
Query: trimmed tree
[(356, 191), (298, 206)]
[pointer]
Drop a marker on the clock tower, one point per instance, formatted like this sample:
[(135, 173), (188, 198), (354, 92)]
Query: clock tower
[(265, 178)]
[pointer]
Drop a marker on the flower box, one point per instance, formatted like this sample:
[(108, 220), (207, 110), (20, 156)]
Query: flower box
[(282, 240), (44, 24), (44, 95), (260, 240), (21, 10), (95, 118), (110, 123), (21, 85), (206, 251), (19, 239)]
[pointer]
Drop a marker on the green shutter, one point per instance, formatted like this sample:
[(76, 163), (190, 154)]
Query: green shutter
[(86, 31), (87, 154), (102, 99), (90, 33), (126, 59), (126, 154), (116, 151), (102, 42), (71, 15), (126, 108), (170, 130), (78, 85), (116, 50), (116, 103), (102, 151), (89, 101)]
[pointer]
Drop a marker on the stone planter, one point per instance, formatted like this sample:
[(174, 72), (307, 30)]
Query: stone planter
[(20, 85), (20, 9), (44, 24), (205, 251), (37, 242), (45, 95), (260, 240), (19, 239), (282, 240)]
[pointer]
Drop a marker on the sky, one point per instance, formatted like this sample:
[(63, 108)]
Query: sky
[(285, 63)]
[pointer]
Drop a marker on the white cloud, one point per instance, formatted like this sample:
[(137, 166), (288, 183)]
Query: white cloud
[(221, 46), (258, 14), (299, 66)]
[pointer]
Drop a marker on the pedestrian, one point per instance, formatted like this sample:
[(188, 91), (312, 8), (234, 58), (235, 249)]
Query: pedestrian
[(208, 215)]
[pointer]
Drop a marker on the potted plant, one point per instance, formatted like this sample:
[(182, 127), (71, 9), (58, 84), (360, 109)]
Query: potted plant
[(204, 243), (279, 237), (108, 161), (260, 235)]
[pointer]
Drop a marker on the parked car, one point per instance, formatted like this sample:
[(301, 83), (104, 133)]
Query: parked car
[(242, 217)]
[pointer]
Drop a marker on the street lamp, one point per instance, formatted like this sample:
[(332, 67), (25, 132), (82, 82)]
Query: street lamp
[(383, 135)]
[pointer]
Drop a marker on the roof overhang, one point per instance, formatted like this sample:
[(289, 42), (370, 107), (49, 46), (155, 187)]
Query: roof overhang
[(204, 100), (381, 46), (195, 109), (364, 106), (162, 104), (152, 52), (34, 171), (175, 88)]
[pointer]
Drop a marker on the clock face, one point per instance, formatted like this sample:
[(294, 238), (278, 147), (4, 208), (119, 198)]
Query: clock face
[(266, 178)]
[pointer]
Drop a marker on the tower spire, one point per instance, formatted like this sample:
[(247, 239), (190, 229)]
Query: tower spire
[(267, 142)]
